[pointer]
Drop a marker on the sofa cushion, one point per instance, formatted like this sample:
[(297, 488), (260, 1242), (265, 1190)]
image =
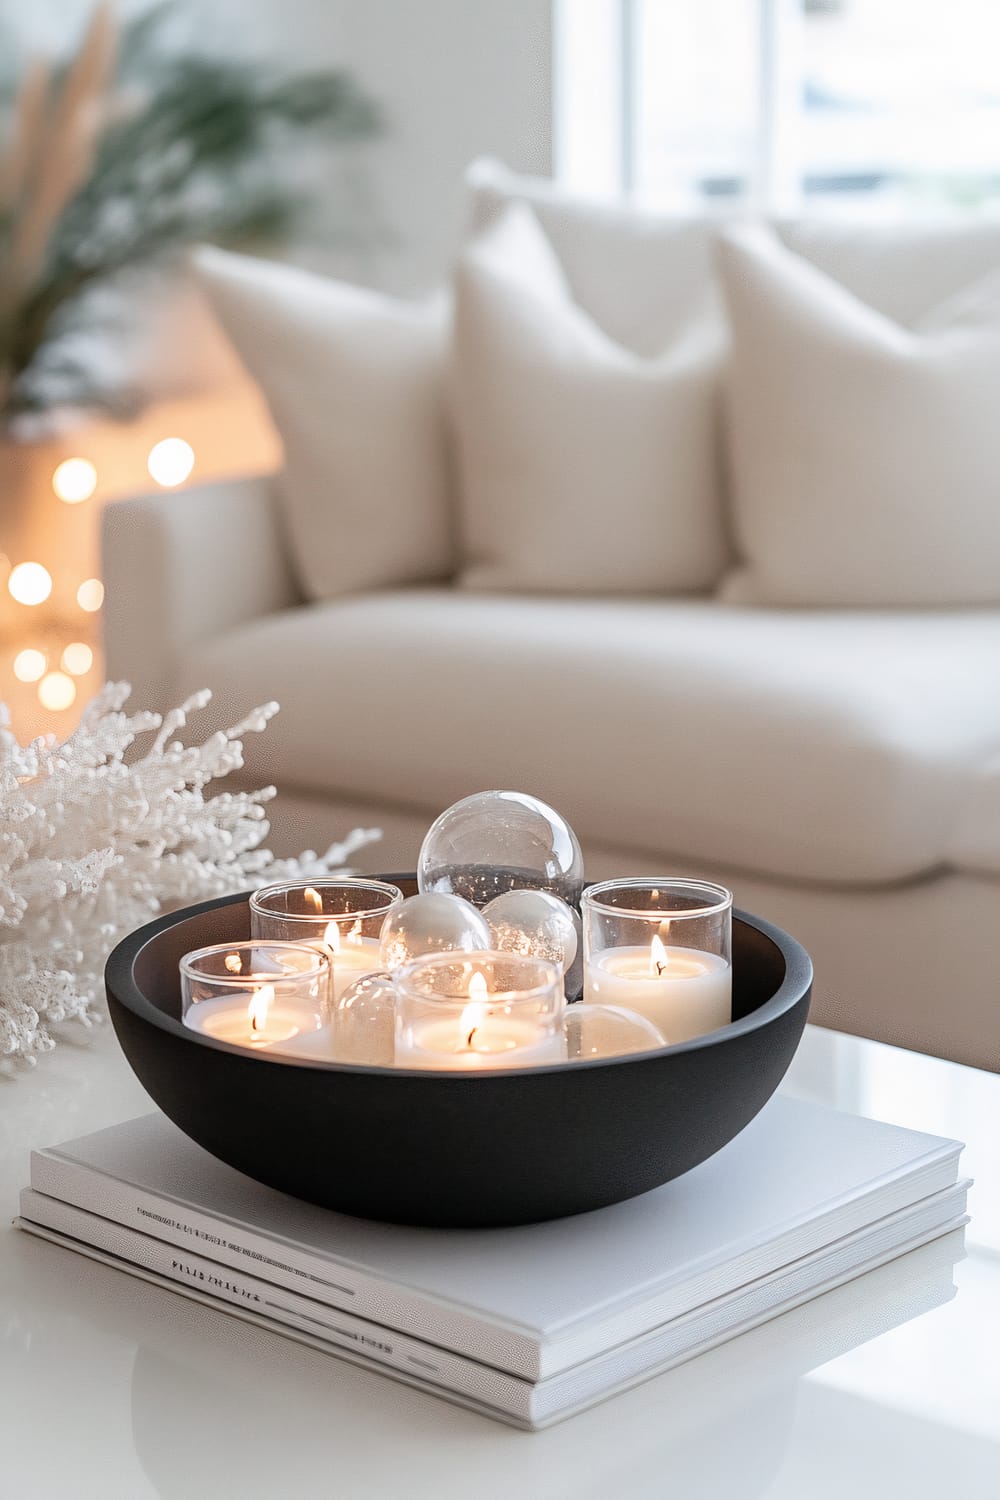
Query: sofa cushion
[(864, 455), (646, 277), (585, 468), (820, 745), (355, 382)]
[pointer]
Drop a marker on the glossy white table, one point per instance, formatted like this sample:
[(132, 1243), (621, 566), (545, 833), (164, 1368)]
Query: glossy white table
[(889, 1386)]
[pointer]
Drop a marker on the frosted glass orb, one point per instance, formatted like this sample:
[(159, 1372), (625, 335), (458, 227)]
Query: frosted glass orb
[(607, 1031), (500, 841), (431, 923), (364, 1022), (536, 923)]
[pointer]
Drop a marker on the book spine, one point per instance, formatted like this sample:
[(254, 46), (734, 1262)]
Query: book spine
[(341, 1331), (240, 1248)]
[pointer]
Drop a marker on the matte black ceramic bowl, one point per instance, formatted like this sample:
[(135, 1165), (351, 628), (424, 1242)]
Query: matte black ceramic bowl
[(451, 1149)]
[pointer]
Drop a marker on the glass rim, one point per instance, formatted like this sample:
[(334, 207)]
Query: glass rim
[(383, 887), (710, 908), (457, 957), (321, 963)]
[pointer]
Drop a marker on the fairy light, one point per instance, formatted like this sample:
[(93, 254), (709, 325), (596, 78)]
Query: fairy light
[(77, 659), (29, 583), (90, 595), (56, 691), (74, 480), (29, 665), (170, 461), (54, 667)]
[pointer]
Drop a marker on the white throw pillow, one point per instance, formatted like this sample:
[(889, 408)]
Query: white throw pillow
[(355, 382), (864, 456), (584, 467)]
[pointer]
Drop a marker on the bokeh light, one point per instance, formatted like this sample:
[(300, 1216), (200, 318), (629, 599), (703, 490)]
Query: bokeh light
[(29, 583), (90, 595), (77, 659), (170, 461), (74, 480), (56, 690), (29, 665)]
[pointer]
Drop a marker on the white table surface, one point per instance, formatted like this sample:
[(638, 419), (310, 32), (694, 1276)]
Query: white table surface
[(889, 1386)]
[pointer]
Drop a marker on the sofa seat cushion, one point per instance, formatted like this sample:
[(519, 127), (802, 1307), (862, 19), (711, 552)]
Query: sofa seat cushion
[(820, 745)]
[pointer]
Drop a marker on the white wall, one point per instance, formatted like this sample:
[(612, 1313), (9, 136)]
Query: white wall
[(457, 78)]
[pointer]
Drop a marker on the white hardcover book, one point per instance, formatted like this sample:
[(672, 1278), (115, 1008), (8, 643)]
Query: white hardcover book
[(451, 1376), (537, 1300)]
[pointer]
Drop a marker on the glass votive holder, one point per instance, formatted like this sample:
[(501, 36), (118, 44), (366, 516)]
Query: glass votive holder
[(255, 994), (662, 948), (471, 1012), (344, 916)]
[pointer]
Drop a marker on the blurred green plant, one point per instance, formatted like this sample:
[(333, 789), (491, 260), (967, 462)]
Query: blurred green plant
[(126, 154)]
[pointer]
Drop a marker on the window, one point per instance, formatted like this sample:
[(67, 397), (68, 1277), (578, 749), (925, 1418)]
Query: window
[(879, 108)]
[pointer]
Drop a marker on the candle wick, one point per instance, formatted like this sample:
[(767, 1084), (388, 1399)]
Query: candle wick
[(659, 970), (468, 1040)]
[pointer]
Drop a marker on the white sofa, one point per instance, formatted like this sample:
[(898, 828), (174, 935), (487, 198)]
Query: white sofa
[(838, 768)]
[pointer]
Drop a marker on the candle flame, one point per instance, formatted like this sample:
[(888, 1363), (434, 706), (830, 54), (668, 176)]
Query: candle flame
[(313, 897), (355, 933), (472, 1015), (234, 963), (259, 1006), (331, 937), (658, 956)]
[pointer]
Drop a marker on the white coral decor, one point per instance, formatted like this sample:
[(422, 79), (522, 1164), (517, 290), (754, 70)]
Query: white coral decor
[(92, 845)]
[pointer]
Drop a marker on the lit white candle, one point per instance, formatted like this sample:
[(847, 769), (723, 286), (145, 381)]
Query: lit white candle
[(248, 1018), (479, 1037), (683, 991), (317, 1044), (351, 955)]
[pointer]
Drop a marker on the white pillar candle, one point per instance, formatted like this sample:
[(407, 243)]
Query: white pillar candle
[(477, 1042), (316, 1044), (480, 1036), (351, 957), (248, 1018), (683, 991)]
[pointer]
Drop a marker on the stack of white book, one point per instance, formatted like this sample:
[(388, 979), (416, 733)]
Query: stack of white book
[(529, 1324)]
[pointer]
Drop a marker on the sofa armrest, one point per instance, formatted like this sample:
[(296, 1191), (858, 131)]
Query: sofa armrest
[(182, 568)]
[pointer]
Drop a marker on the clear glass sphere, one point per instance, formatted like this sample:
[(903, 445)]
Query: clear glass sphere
[(494, 842), (536, 923), (364, 1022), (607, 1031), (431, 923)]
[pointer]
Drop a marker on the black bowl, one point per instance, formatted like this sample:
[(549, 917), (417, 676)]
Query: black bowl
[(449, 1149)]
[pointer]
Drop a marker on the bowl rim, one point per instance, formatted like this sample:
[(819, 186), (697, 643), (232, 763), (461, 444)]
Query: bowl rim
[(122, 988)]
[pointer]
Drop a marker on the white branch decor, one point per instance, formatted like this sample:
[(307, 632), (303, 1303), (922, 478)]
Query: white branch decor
[(93, 845)]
